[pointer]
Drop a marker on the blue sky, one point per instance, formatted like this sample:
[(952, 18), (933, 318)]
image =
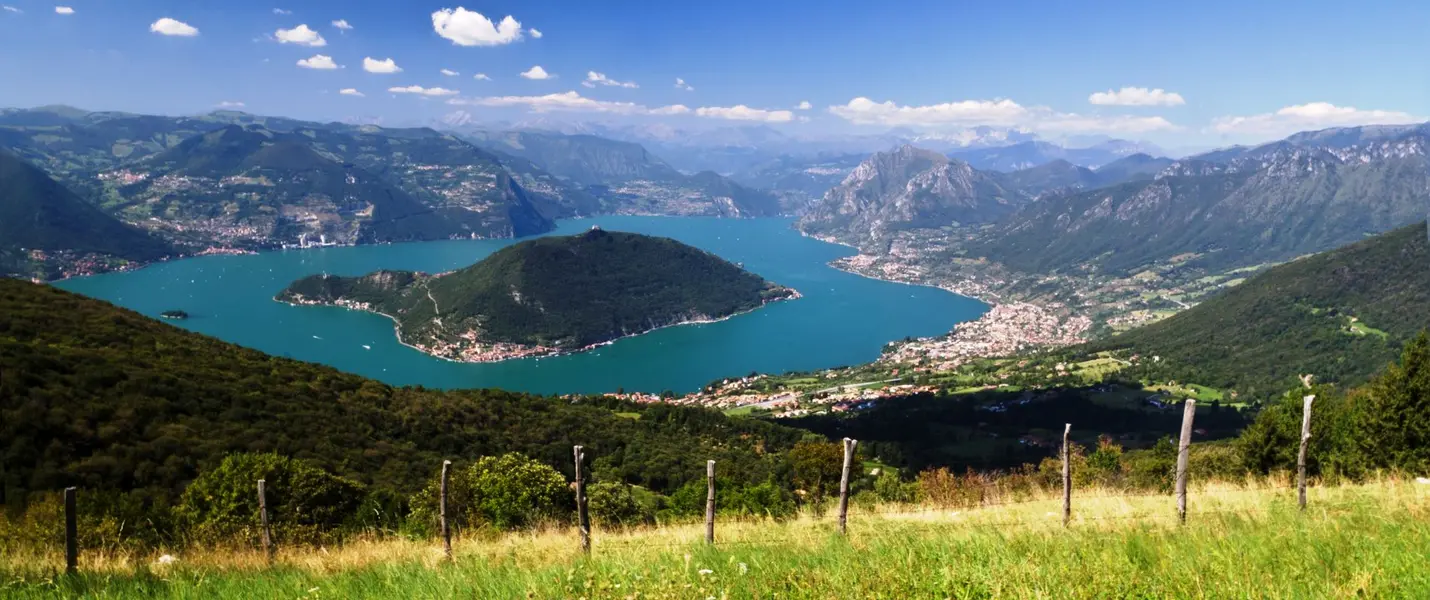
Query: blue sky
[(1228, 71)]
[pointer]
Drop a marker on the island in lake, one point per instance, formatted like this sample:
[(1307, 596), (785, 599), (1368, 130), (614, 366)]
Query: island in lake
[(549, 296)]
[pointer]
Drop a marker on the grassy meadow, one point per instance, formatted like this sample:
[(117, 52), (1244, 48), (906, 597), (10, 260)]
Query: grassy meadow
[(1241, 540)]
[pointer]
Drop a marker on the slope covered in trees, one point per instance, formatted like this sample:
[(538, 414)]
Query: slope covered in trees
[(38, 213), (1341, 315), (104, 398), (561, 293)]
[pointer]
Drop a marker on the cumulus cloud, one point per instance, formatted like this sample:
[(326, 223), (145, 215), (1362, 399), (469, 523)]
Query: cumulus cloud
[(64, 10), (167, 26), (535, 33), (230, 104), (422, 91), (8, 8), (998, 112), (593, 79), (279, 11), (740, 112), (1137, 96), (1309, 116), (481, 77), (681, 85), (386, 65), (342, 24), (574, 102), (537, 72), (470, 28), (319, 61), (804, 105), (350, 92), (301, 35), (450, 73)]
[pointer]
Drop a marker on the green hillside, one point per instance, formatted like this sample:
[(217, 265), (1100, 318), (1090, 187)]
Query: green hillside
[(104, 398), (560, 292), (1341, 315), (38, 213)]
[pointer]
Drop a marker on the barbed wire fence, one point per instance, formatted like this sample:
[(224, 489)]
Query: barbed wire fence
[(989, 494)]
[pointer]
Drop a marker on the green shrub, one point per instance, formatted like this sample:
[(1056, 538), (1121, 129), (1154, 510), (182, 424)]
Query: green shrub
[(890, 488), (305, 503), (617, 505), (509, 491)]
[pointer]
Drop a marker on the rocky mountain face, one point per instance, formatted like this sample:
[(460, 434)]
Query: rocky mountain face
[(908, 188), (1276, 203)]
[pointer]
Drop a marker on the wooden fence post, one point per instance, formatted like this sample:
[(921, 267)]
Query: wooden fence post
[(583, 517), (1189, 411), (1301, 457), (710, 502), (442, 511), (71, 532), (1067, 476), (263, 520), (844, 484)]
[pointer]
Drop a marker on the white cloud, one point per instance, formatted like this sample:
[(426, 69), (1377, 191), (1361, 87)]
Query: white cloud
[(999, 112), (230, 104), (64, 10), (481, 77), (681, 85), (417, 89), (319, 61), (740, 112), (1309, 116), (279, 11), (535, 33), (386, 65), (568, 101), (350, 92), (450, 73), (300, 35), (593, 79), (167, 26), (574, 102), (538, 73), (804, 105), (470, 28), (12, 9), (1137, 96), (342, 24)]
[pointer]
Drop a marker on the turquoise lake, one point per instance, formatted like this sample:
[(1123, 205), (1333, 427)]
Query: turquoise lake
[(843, 319)]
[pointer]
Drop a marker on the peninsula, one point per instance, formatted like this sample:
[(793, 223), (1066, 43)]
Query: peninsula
[(548, 296)]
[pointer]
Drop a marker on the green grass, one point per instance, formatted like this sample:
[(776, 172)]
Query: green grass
[(1357, 541), (1360, 328)]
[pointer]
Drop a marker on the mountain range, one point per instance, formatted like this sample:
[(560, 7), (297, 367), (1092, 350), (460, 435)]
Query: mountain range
[(1028, 154)]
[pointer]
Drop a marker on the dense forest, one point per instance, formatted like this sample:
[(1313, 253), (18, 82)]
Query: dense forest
[(104, 398), (566, 292), (1342, 315)]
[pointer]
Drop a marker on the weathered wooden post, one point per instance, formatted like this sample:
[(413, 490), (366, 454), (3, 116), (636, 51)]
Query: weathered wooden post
[(1301, 457), (1067, 476), (71, 532), (710, 502), (263, 520), (1189, 411), (583, 518), (442, 512), (844, 485)]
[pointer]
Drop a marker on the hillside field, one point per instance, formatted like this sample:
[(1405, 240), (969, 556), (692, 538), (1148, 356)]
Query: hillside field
[(1242, 540)]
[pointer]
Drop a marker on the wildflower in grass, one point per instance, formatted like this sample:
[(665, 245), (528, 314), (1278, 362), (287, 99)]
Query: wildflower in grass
[(744, 568), (167, 559), (704, 572)]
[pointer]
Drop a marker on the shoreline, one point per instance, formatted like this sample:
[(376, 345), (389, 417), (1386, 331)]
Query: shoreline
[(397, 330)]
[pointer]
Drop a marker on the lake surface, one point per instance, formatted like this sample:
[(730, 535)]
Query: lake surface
[(843, 319)]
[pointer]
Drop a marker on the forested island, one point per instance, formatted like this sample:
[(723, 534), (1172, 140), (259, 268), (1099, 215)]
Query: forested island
[(549, 296)]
